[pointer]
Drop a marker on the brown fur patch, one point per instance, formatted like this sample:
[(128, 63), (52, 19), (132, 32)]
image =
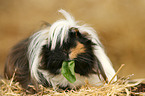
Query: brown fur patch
[(77, 50)]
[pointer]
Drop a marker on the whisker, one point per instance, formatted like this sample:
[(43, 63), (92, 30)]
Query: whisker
[(84, 58), (80, 59)]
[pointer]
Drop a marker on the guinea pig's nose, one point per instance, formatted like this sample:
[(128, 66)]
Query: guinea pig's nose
[(67, 58)]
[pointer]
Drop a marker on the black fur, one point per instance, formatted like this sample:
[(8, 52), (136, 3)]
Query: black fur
[(51, 60), (17, 62), (84, 63)]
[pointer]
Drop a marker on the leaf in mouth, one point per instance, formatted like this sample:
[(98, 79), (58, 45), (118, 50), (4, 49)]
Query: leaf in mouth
[(67, 70)]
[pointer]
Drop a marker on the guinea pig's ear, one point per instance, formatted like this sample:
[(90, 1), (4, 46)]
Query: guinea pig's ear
[(74, 30), (77, 32), (85, 34)]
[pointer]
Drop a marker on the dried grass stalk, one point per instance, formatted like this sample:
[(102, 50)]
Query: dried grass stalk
[(120, 87)]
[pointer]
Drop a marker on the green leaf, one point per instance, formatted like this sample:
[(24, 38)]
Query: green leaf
[(71, 66), (67, 70)]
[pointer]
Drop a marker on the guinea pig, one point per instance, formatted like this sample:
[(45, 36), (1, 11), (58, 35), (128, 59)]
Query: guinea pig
[(38, 59)]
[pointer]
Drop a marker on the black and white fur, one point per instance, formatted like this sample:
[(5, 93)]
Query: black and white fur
[(38, 59)]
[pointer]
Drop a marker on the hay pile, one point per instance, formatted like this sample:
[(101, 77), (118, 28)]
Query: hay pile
[(122, 86)]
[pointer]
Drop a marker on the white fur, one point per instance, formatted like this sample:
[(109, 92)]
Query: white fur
[(59, 32), (37, 41), (60, 80)]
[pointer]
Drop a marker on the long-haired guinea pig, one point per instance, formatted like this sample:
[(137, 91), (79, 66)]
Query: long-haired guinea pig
[(38, 59)]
